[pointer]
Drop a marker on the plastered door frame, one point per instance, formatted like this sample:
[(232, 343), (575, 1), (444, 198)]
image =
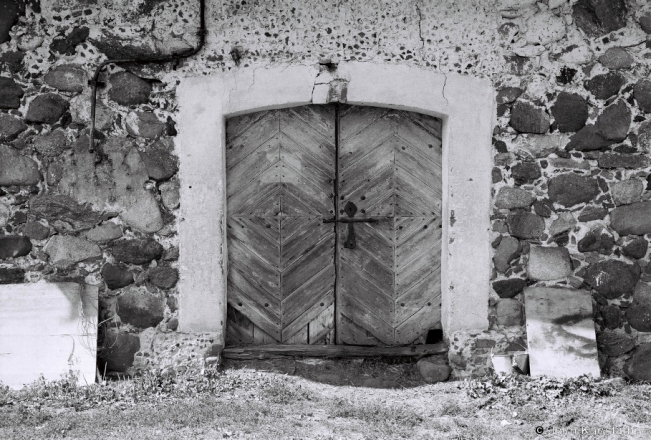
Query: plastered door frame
[(466, 106)]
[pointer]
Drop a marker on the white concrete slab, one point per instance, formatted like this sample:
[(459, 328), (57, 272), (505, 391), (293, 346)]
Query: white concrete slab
[(560, 332), (47, 329)]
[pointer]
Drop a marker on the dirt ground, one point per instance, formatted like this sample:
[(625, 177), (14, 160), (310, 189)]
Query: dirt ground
[(316, 399)]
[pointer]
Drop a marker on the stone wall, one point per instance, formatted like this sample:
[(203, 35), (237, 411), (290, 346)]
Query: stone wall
[(571, 148)]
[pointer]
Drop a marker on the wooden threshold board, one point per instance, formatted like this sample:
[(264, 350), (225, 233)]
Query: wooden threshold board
[(330, 351)]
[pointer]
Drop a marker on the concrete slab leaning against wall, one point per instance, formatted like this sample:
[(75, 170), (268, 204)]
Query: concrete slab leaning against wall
[(47, 329)]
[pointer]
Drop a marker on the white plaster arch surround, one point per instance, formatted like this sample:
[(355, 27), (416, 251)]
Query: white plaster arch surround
[(466, 106)]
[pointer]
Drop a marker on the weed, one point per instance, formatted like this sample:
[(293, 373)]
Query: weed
[(281, 392)]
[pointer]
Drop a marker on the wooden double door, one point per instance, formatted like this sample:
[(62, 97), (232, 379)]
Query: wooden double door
[(333, 226)]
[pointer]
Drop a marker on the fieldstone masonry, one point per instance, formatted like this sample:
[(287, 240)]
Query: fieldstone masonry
[(571, 176)]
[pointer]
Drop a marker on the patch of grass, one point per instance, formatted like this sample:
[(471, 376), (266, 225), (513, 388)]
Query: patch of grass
[(260, 405), (282, 392), (375, 413)]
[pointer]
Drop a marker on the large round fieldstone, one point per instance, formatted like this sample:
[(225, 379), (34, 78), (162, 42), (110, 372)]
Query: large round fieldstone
[(51, 144), (12, 246), (626, 192), (137, 251), (612, 316), (570, 112), (67, 78), (606, 85), (509, 312), (587, 139), (65, 251), (638, 366), (10, 93), (144, 124), (47, 108), (525, 172), (433, 369), (118, 350), (598, 17), (140, 308), (633, 219), (571, 189), (636, 248), (508, 250), (128, 89), (16, 169), (10, 127), (593, 241), (612, 278), (61, 207), (36, 231), (616, 58), (613, 123), (116, 276), (509, 288), (614, 344), (628, 161), (11, 275), (164, 277), (509, 198), (548, 263), (639, 312), (642, 94), (526, 225), (528, 118), (159, 161)]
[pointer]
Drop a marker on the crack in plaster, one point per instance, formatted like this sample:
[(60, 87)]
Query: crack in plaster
[(445, 82), (420, 27)]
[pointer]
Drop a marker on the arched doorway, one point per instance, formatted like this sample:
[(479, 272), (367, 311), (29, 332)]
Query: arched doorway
[(333, 226)]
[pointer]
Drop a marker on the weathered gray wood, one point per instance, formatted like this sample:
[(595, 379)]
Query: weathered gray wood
[(48, 329), (560, 332), (331, 351), (391, 168), (280, 169)]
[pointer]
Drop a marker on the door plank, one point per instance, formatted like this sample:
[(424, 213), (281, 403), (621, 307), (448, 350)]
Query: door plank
[(369, 166), (250, 167), (308, 138), (410, 189), (239, 329), (332, 351), (400, 255), (260, 197), (303, 240), (313, 263), (309, 293), (320, 117), (257, 241), (321, 327), (368, 295), (374, 272), (408, 302), (426, 318), (352, 334), (260, 337), (257, 315), (364, 318), (304, 162), (248, 141), (308, 315), (248, 287)]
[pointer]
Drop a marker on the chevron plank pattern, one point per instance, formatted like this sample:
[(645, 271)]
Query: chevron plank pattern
[(390, 168), (280, 174)]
